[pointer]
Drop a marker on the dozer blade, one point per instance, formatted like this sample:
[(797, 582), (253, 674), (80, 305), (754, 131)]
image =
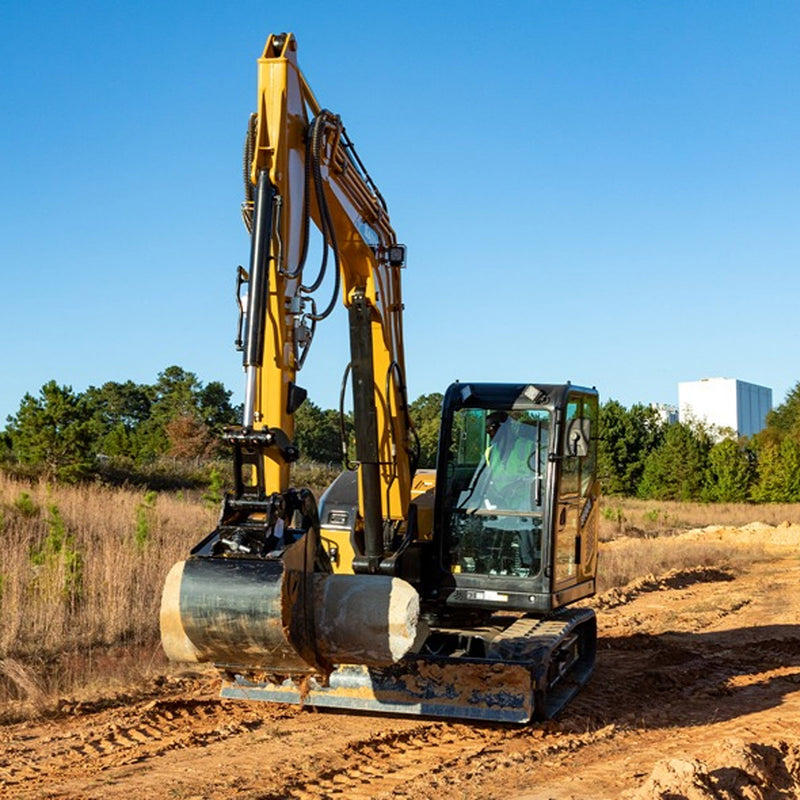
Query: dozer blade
[(456, 689), (536, 667)]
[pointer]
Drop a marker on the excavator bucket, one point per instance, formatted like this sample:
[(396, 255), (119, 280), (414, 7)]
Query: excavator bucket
[(236, 612), (247, 611), (278, 616)]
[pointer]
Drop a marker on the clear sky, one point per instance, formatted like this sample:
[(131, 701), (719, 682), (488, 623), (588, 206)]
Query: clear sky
[(602, 192)]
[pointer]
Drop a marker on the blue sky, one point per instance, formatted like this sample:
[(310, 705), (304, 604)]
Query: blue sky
[(602, 192)]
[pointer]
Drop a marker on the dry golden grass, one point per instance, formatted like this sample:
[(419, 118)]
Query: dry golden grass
[(622, 516), (627, 560), (81, 571), (642, 539), (641, 536)]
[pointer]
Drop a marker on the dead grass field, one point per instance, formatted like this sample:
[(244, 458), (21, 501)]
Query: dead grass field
[(81, 572), (623, 516)]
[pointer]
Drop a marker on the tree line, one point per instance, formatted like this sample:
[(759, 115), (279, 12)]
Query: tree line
[(177, 421), (69, 436), (640, 455)]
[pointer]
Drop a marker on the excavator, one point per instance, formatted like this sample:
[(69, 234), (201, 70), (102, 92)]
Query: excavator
[(445, 592)]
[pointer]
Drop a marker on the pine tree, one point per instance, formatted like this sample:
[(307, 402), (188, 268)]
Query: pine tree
[(53, 433)]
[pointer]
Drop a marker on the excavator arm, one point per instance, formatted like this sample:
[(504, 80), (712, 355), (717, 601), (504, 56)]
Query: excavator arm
[(259, 592), (301, 167)]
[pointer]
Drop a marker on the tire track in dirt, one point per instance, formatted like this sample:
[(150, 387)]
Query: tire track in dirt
[(424, 761), (136, 734), (484, 774), (378, 765)]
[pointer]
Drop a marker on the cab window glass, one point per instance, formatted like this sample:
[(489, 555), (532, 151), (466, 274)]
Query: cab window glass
[(580, 446), (571, 462), (497, 476)]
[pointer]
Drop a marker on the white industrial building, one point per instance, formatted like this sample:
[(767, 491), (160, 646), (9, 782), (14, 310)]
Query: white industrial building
[(725, 403)]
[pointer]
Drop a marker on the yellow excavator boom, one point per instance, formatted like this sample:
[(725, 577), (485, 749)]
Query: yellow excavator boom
[(304, 167)]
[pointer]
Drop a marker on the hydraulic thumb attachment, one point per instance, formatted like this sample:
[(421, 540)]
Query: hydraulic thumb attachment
[(257, 596)]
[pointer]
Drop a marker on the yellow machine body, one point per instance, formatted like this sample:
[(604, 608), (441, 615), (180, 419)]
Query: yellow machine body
[(441, 592)]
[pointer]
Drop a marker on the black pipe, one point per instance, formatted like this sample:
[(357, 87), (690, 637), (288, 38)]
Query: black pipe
[(365, 419), (259, 271)]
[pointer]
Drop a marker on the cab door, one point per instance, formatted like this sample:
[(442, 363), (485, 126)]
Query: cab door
[(575, 546)]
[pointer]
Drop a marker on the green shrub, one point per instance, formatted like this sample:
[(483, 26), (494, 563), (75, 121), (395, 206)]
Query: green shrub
[(25, 505), (144, 511)]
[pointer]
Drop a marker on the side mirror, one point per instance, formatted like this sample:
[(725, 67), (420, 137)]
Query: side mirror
[(578, 438)]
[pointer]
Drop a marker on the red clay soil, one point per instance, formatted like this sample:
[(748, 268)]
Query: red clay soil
[(696, 695)]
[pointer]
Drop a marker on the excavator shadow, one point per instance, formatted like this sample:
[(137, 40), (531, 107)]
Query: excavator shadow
[(659, 680)]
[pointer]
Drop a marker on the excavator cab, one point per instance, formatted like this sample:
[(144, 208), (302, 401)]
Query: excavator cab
[(516, 515)]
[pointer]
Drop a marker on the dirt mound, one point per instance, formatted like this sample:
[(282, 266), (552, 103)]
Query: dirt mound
[(738, 770), (786, 534), (673, 579)]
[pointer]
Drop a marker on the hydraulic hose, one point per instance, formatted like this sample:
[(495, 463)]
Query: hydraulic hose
[(249, 152), (318, 126)]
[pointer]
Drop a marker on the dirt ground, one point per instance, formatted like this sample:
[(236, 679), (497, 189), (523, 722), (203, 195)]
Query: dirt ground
[(696, 695)]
